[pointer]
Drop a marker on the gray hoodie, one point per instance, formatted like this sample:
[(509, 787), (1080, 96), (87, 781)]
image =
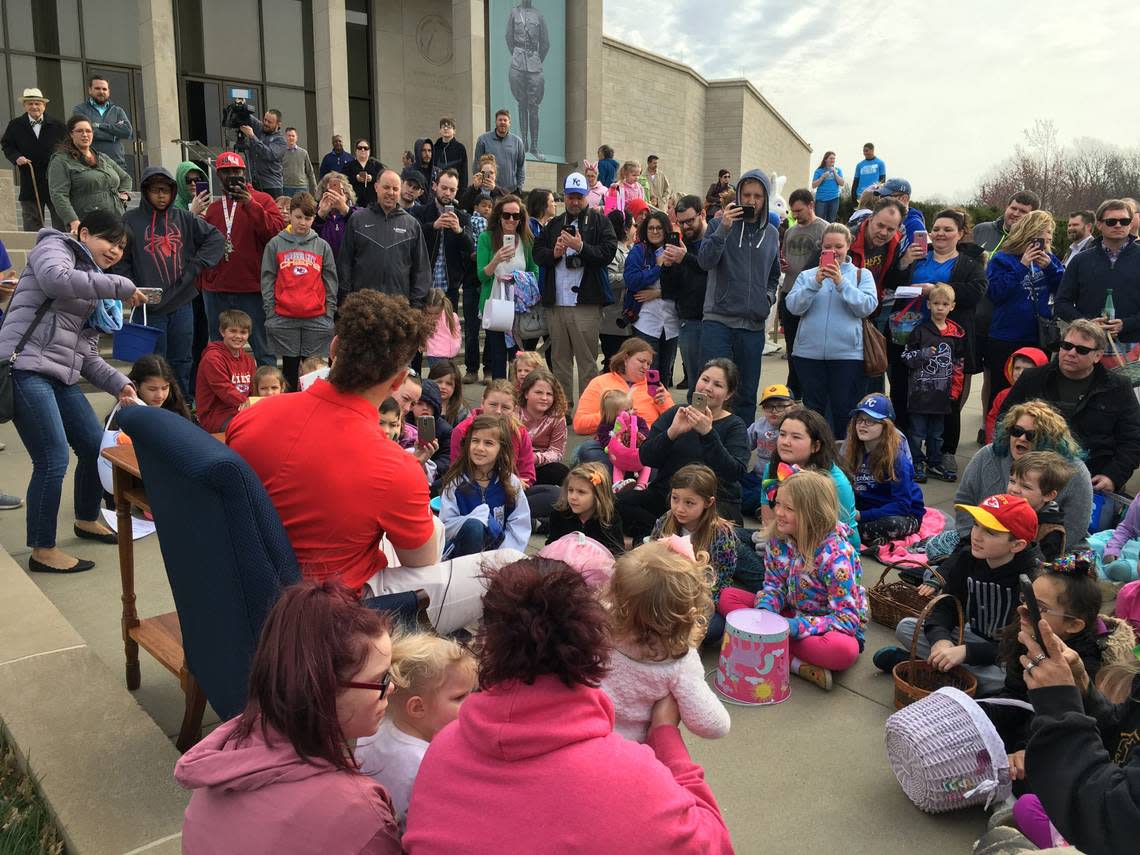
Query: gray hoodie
[(743, 262)]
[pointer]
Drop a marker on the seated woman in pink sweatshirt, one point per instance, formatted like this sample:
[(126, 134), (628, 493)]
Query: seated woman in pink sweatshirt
[(281, 777), (532, 764)]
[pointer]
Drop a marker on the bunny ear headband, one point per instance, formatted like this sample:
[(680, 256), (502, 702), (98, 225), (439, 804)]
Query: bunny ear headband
[(771, 485), (589, 164)]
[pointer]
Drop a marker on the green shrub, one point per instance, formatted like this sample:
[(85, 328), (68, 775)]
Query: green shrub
[(26, 827)]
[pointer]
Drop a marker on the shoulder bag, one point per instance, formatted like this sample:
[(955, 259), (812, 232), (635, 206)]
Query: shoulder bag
[(874, 350), (7, 393)]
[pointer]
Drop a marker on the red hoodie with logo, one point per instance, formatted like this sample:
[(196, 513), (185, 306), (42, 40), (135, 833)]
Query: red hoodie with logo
[(224, 381)]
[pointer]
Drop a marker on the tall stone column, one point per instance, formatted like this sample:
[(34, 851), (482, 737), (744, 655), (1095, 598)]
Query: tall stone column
[(469, 64), (160, 81), (583, 80), (330, 66)]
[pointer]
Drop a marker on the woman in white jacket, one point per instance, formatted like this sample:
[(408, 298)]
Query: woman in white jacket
[(831, 301)]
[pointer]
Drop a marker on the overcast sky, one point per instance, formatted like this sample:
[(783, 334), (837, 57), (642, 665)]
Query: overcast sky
[(943, 89)]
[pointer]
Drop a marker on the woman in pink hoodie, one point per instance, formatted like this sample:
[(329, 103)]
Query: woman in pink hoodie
[(532, 763), (281, 777)]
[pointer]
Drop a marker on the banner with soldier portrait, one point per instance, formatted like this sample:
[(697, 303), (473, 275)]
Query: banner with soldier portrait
[(526, 63)]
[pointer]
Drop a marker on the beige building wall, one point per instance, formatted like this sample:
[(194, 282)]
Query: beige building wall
[(768, 141)]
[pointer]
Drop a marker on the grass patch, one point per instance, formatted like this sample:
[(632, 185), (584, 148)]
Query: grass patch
[(26, 827)]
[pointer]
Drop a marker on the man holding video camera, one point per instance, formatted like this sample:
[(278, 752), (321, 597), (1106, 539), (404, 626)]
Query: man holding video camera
[(266, 147), (248, 219)]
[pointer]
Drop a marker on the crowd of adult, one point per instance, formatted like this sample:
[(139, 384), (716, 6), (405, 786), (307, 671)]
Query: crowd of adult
[(630, 269)]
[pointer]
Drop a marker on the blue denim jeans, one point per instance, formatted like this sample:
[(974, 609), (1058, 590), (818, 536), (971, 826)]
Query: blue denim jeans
[(929, 428), (689, 342), (177, 343), (831, 387), (469, 540), (217, 302), (50, 416), (827, 209), (592, 451), (745, 348)]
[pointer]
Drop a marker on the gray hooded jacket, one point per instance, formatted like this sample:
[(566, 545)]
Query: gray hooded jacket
[(743, 262)]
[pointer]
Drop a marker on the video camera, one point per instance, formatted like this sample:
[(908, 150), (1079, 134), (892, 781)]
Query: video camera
[(236, 113)]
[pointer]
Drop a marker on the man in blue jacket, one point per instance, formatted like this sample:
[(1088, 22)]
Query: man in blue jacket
[(266, 146), (742, 256), (107, 118), (899, 188)]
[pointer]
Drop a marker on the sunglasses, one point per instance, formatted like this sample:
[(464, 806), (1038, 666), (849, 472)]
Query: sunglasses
[(362, 148), (382, 687), (1018, 431), (1083, 350), (1113, 221), (509, 215)]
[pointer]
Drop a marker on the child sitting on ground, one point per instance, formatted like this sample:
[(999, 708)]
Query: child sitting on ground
[(1115, 567), (542, 408), (813, 577), (313, 368), (392, 423), (499, 400), (523, 364), (586, 504), (225, 373), (431, 677), (449, 379), (762, 434), (888, 504), (692, 513), (658, 600), (268, 380), (1019, 360), (934, 356), (156, 385), (483, 505), (621, 432), (982, 576), (447, 339)]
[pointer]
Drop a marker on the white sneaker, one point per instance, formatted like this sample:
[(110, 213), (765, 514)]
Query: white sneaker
[(772, 347)]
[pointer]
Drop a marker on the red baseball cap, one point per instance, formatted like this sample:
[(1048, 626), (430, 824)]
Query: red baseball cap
[(1006, 513), (229, 160)]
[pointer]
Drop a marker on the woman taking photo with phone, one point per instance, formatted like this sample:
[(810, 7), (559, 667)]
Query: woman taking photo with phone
[(831, 301), (503, 248), (950, 257), (657, 320), (1024, 276), (364, 173), (826, 183)]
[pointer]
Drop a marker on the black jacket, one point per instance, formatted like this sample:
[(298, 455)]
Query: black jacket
[(567, 522), (452, 155), (599, 244), (934, 367), (365, 190), (1083, 760), (988, 597), (384, 252), (1087, 280), (968, 279), (457, 248), (1106, 420), (20, 140), (685, 284)]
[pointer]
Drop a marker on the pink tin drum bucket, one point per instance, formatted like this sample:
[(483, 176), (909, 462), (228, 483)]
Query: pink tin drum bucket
[(754, 661)]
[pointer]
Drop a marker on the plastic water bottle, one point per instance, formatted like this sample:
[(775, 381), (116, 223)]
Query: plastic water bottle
[(1109, 309)]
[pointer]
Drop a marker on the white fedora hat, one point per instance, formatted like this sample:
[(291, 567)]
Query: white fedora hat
[(33, 94)]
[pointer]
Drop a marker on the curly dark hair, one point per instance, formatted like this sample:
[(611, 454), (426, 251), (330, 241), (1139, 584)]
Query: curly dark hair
[(540, 617), (377, 335)]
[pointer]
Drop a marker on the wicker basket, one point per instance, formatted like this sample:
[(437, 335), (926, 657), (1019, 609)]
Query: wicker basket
[(893, 601), (946, 754), (917, 678)]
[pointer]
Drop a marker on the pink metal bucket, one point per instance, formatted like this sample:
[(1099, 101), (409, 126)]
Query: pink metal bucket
[(754, 667)]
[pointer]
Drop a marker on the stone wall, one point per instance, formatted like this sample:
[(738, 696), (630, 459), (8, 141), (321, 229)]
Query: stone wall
[(768, 142)]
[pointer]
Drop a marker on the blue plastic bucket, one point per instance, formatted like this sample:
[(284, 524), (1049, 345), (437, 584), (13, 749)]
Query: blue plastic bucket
[(135, 341)]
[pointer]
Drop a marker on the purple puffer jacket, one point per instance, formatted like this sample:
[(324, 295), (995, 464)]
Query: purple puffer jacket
[(63, 347)]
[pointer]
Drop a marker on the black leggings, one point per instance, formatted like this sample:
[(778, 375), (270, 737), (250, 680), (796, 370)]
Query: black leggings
[(551, 473), (639, 510)]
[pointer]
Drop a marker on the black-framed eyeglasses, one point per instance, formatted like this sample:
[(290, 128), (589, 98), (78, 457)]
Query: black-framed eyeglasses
[(1117, 221), (510, 215), (688, 222), (1045, 611), (1082, 349), (1017, 431), (383, 687)]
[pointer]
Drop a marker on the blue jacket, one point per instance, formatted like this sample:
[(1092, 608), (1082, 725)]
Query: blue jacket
[(831, 320), (913, 222), (507, 524), (111, 127), (743, 262), (333, 162), (898, 498), (1011, 287)]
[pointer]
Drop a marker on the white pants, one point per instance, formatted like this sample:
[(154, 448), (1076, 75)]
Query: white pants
[(455, 587)]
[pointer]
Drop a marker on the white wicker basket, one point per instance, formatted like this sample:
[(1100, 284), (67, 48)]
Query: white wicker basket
[(946, 754)]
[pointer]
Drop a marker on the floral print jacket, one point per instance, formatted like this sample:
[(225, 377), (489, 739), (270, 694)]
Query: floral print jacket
[(826, 596)]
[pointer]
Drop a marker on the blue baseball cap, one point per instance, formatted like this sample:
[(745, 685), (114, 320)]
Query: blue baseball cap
[(892, 186), (876, 406)]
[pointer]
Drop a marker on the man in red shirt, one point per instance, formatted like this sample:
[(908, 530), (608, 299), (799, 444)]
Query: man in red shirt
[(248, 219), (338, 482)]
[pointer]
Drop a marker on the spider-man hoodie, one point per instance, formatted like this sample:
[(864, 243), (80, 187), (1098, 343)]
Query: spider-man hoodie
[(168, 248)]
